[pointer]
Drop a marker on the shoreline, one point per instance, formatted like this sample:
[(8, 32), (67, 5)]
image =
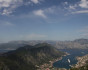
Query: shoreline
[(49, 66), (81, 61), (61, 59)]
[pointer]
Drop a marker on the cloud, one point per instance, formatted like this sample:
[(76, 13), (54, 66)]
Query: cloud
[(33, 37), (40, 13), (35, 1), (78, 8), (52, 9), (66, 3), (7, 12), (8, 6), (83, 4), (72, 7), (79, 12)]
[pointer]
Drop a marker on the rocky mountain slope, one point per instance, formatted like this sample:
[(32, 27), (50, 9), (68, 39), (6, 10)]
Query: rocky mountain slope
[(27, 57), (76, 44)]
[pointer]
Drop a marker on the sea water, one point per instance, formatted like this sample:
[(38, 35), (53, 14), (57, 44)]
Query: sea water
[(72, 57)]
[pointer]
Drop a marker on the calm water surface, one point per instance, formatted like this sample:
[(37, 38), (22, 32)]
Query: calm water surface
[(4, 51), (72, 57)]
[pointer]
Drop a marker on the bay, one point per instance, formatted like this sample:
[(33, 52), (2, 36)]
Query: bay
[(64, 63)]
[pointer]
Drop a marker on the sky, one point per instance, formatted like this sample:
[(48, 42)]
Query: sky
[(43, 20)]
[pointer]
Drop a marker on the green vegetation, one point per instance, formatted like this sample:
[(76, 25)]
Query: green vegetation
[(25, 58)]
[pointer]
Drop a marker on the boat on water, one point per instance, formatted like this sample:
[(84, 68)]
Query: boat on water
[(69, 60)]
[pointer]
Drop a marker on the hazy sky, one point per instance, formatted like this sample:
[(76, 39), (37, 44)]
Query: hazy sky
[(43, 19)]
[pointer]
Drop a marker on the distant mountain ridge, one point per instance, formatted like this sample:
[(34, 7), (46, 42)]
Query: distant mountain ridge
[(76, 44), (27, 57), (82, 41)]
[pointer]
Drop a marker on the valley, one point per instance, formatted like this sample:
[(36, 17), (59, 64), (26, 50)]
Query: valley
[(29, 57), (43, 55)]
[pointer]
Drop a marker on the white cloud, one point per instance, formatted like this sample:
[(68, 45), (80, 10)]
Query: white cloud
[(66, 3), (79, 12), (6, 12), (52, 9), (78, 8), (83, 4), (72, 7), (40, 13), (35, 1), (9, 5)]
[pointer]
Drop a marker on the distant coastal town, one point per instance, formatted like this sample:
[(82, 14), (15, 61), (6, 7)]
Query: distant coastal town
[(81, 62)]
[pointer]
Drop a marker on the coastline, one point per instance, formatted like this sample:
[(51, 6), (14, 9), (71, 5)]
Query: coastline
[(59, 60), (49, 66), (81, 61)]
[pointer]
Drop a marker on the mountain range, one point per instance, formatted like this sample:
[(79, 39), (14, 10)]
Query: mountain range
[(76, 44)]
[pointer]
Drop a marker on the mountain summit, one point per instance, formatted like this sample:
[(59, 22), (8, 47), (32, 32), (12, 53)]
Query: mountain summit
[(25, 58)]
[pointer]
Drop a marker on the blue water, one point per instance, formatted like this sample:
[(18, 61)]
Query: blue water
[(4, 51), (73, 54)]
